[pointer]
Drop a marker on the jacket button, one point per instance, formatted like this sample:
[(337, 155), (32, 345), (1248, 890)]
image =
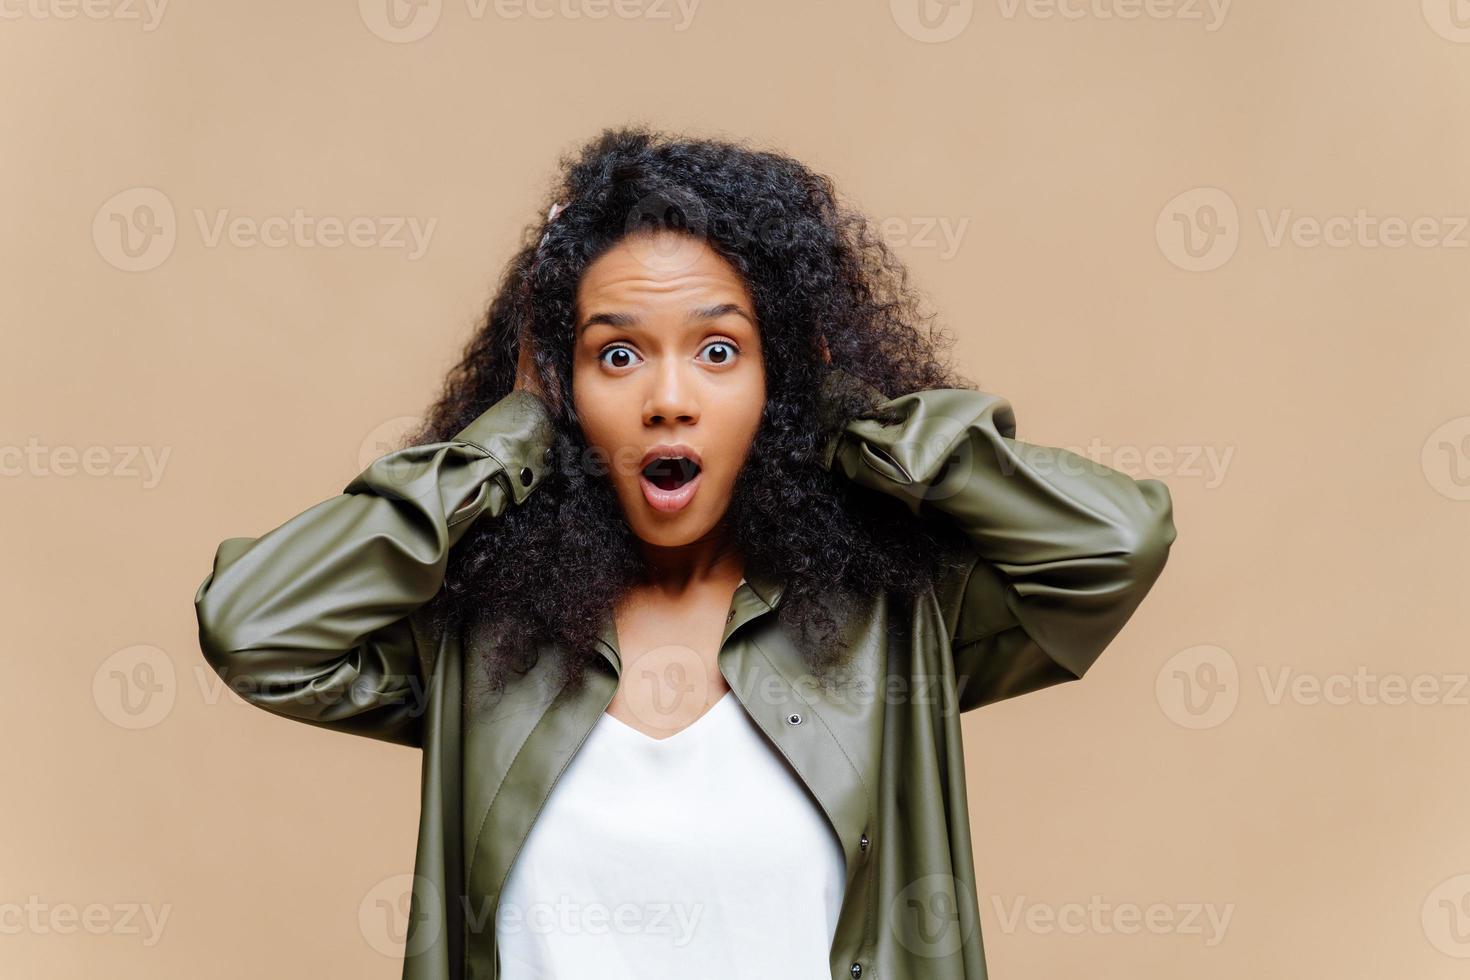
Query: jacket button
[(793, 719), (863, 842), (526, 476), (856, 970)]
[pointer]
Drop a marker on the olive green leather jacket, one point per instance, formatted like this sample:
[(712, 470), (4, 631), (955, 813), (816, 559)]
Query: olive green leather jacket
[(315, 620)]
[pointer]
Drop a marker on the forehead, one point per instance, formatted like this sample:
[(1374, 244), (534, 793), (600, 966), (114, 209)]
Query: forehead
[(652, 271)]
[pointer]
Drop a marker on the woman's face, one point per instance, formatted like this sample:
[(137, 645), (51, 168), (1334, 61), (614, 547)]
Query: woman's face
[(668, 354)]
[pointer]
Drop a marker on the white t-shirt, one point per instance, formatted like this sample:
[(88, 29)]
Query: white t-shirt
[(697, 855)]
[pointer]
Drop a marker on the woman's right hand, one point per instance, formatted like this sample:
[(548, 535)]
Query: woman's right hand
[(527, 376)]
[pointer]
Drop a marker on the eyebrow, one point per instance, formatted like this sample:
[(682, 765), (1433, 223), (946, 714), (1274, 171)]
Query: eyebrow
[(694, 315)]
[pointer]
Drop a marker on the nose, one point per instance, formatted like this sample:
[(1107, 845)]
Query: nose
[(671, 395)]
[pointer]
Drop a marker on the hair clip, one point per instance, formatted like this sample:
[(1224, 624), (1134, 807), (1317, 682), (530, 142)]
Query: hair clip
[(556, 209)]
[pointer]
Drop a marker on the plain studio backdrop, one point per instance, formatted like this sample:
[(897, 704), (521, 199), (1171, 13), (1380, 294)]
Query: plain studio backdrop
[(1220, 245)]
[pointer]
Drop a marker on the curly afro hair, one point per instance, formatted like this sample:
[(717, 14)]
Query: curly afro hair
[(550, 571)]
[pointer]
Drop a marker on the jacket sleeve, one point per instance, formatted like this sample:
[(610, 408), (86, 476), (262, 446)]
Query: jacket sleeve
[(1061, 549), (312, 620)]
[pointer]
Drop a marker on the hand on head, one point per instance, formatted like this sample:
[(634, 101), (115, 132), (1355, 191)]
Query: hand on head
[(528, 376)]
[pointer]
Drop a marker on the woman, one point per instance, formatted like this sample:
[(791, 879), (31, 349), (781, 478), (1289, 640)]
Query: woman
[(681, 589)]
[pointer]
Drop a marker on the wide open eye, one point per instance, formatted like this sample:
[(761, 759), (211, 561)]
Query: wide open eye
[(617, 349), (728, 351)]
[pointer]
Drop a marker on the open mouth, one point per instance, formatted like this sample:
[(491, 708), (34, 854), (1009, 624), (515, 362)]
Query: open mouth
[(671, 472), (669, 482)]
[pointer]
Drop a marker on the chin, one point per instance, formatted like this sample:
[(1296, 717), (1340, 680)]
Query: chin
[(671, 528), (671, 532)]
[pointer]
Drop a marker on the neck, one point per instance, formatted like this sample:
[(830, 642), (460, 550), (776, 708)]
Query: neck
[(712, 557)]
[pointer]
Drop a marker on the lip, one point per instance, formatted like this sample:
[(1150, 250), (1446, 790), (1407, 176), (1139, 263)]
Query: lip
[(669, 500)]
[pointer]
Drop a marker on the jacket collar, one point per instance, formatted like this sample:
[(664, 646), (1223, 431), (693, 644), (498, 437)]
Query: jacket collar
[(759, 592), (768, 586)]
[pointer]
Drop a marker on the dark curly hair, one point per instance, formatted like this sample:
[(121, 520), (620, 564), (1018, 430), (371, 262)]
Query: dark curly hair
[(552, 569)]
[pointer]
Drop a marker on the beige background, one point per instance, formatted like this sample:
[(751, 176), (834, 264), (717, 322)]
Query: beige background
[(1303, 395)]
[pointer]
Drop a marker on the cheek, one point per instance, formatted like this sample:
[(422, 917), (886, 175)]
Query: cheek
[(588, 395), (607, 424), (752, 408), (737, 433), (591, 404)]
